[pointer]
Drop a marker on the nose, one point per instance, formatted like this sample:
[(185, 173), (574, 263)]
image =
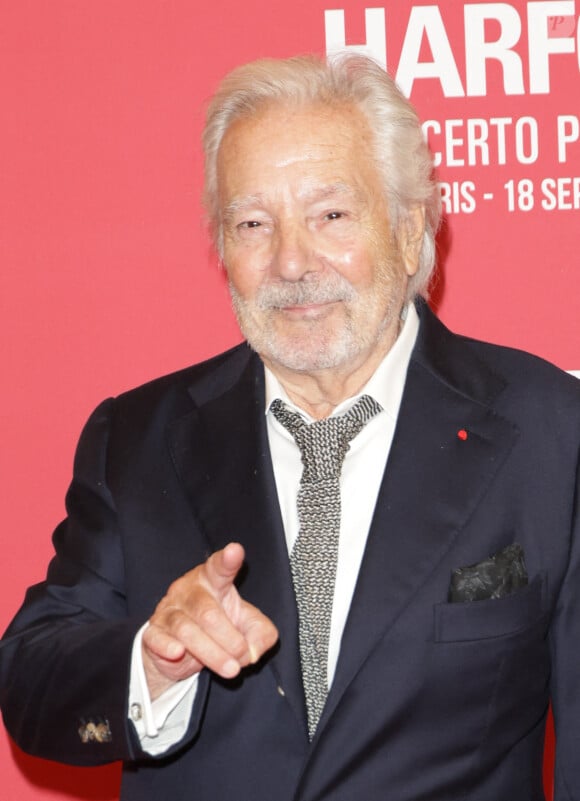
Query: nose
[(292, 256)]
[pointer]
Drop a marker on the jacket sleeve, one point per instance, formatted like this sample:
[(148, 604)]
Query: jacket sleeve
[(65, 658), (565, 683)]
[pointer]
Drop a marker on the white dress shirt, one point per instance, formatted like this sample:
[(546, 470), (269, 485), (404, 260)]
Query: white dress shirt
[(163, 722)]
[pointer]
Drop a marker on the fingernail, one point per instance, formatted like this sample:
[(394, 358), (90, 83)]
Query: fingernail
[(254, 654), (231, 668)]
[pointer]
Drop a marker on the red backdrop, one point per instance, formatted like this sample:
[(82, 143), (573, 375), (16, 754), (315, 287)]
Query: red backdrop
[(107, 278)]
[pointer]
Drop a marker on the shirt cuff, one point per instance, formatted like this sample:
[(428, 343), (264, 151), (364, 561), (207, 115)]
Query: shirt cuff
[(162, 723)]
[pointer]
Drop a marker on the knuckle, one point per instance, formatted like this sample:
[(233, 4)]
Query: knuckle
[(238, 648), (170, 621), (209, 616), (168, 618), (182, 628)]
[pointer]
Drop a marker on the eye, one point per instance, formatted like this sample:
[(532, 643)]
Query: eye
[(249, 224), (334, 215)]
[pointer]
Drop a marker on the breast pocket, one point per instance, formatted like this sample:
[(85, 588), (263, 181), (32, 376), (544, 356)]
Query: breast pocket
[(480, 620)]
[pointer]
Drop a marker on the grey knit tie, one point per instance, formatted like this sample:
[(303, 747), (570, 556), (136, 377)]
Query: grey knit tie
[(323, 446)]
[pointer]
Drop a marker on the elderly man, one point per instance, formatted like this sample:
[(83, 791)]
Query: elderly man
[(343, 562)]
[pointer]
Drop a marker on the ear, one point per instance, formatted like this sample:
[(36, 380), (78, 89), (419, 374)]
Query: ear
[(411, 231)]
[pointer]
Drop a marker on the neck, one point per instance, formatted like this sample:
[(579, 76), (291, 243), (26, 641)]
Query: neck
[(319, 392)]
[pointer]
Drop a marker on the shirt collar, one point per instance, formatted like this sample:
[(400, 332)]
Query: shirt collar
[(385, 385)]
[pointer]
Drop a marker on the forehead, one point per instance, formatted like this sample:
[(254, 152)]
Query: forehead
[(316, 144)]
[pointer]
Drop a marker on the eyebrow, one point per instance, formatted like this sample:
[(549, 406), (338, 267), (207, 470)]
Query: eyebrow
[(316, 194), (240, 204)]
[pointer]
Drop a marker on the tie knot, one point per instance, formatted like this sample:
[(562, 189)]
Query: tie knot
[(323, 444)]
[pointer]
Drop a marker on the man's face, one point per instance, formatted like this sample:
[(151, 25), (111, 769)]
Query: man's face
[(316, 275)]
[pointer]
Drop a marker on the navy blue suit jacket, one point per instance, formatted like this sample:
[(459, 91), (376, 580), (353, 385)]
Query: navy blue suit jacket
[(431, 700)]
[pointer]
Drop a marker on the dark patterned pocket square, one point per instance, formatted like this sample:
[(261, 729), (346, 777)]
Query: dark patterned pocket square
[(496, 577)]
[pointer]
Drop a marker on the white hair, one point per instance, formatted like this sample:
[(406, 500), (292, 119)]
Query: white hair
[(401, 154)]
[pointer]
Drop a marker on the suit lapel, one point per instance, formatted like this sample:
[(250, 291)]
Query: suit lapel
[(433, 481), (221, 452)]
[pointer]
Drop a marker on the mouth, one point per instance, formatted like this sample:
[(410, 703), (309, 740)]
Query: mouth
[(309, 311)]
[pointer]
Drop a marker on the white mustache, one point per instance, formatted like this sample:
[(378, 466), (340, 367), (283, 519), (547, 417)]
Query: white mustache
[(282, 294)]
